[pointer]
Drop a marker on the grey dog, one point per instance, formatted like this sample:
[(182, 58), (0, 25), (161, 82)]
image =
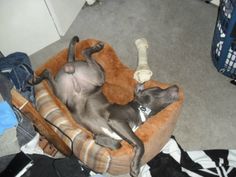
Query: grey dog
[(110, 123), (77, 77)]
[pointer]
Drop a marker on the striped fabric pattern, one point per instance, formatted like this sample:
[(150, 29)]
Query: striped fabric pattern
[(84, 147)]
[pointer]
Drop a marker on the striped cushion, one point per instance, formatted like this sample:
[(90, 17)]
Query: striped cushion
[(84, 147)]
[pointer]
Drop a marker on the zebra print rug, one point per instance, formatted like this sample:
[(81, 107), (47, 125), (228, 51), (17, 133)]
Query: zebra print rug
[(173, 161)]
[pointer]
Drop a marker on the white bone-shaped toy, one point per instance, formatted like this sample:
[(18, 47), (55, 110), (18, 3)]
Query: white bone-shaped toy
[(143, 72)]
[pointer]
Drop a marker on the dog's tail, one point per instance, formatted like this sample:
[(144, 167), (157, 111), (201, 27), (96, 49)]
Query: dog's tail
[(69, 68), (71, 49)]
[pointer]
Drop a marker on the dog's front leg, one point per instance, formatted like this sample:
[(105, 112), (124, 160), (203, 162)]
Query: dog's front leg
[(46, 74), (125, 132), (106, 141)]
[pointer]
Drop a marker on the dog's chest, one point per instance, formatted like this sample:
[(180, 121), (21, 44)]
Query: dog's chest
[(125, 115)]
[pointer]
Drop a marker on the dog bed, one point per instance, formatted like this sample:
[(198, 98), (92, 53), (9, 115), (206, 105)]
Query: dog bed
[(118, 88)]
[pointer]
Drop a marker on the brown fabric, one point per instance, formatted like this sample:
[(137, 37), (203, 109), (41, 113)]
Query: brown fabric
[(47, 147), (118, 88)]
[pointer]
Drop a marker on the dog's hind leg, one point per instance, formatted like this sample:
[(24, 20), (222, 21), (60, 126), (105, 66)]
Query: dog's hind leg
[(88, 54), (126, 133), (96, 69)]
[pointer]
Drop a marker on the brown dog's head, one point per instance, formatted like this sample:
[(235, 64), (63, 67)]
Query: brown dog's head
[(157, 98)]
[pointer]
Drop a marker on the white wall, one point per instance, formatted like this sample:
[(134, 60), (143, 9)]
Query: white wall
[(30, 25), (64, 12)]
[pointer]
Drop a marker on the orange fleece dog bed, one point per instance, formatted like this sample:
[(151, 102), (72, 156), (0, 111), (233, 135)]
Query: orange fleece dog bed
[(118, 88)]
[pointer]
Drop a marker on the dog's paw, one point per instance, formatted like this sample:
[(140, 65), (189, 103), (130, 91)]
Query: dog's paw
[(99, 46), (134, 170), (134, 173), (45, 73), (96, 48)]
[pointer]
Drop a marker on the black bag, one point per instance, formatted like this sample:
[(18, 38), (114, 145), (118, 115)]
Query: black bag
[(17, 68)]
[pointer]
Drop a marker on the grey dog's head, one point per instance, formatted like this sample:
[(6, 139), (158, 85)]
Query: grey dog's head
[(157, 98)]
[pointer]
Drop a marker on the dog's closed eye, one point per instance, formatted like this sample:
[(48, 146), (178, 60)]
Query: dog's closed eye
[(144, 99)]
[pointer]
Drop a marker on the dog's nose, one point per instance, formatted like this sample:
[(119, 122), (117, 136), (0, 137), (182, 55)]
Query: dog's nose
[(174, 88), (173, 92)]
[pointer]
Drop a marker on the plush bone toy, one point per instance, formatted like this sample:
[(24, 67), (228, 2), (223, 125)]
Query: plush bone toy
[(143, 72)]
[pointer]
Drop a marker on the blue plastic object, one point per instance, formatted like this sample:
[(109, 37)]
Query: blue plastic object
[(223, 49), (7, 117)]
